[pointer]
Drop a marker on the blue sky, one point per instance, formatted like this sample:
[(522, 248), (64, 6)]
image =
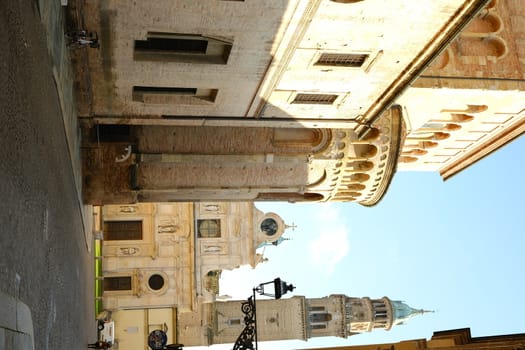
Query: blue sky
[(456, 247)]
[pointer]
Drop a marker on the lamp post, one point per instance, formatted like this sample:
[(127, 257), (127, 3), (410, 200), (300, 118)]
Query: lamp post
[(248, 336)]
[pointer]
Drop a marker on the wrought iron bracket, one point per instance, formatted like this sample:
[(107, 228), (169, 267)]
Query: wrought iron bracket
[(248, 337)]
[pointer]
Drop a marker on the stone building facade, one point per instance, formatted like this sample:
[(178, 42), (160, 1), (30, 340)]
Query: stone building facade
[(457, 339), (254, 100), (161, 267), (162, 261), (471, 100)]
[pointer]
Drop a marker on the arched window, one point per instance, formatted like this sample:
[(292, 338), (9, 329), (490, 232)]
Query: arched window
[(320, 317), (209, 228)]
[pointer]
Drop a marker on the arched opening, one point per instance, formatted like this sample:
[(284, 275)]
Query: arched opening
[(482, 47), (320, 317), (359, 166), (407, 159), (461, 118), (356, 187), (476, 108), (373, 134), (294, 139), (353, 194), (487, 24), (359, 177), (366, 151), (429, 136)]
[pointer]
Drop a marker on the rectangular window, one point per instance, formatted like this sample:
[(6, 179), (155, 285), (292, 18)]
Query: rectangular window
[(176, 45), (317, 326), (341, 60), (319, 99), (234, 321), (320, 317), (173, 95), (117, 283), (317, 308), (190, 48), (111, 133), (122, 230), (209, 228)]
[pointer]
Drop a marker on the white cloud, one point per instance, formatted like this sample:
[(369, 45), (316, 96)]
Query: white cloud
[(331, 244)]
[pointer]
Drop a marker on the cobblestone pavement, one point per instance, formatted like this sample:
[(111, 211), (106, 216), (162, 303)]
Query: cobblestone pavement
[(43, 257)]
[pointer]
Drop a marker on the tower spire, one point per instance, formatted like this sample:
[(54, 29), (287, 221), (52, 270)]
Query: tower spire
[(402, 312)]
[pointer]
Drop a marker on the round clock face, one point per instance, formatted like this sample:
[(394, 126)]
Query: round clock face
[(269, 226)]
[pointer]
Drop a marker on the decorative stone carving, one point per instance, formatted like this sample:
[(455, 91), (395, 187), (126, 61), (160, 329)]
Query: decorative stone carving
[(129, 251)]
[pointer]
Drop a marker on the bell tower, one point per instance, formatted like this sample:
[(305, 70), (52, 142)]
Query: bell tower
[(303, 318), (342, 316)]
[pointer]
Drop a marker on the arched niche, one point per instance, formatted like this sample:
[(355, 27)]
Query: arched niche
[(359, 177), (372, 135), (359, 166), (486, 24), (415, 152), (461, 117), (432, 126), (365, 150), (482, 47), (407, 159), (356, 187), (312, 140), (470, 109), (353, 194), (476, 108), (428, 144), (429, 136)]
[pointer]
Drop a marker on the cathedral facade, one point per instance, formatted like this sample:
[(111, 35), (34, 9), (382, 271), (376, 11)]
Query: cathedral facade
[(161, 262)]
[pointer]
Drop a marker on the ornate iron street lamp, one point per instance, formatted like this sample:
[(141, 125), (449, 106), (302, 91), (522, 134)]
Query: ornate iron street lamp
[(248, 336)]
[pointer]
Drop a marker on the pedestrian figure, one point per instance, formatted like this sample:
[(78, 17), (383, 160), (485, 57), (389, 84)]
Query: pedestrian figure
[(82, 38), (100, 345)]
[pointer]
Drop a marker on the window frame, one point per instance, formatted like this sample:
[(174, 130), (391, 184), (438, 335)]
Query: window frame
[(218, 234), (118, 278), (165, 95), (333, 98), (339, 58), (217, 50), (371, 59), (108, 223)]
